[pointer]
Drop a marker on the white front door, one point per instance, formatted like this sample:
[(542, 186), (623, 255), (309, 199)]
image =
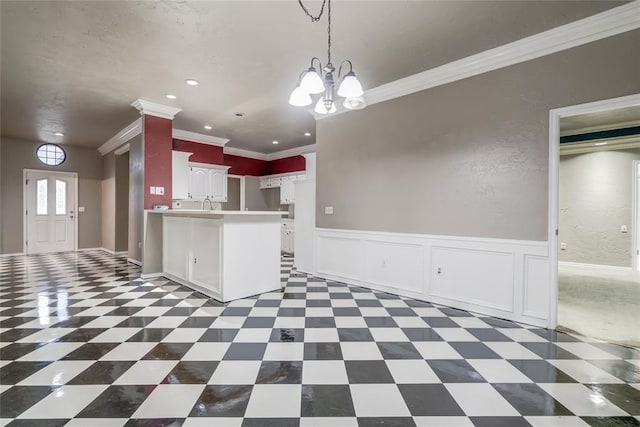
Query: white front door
[(50, 211)]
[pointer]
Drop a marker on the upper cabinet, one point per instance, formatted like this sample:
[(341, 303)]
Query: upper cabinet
[(208, 181), (287, 191), (180, 178), (286, 185)]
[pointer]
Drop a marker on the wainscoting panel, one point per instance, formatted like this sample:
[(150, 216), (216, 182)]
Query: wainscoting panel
[(497, 277), (475, 277)]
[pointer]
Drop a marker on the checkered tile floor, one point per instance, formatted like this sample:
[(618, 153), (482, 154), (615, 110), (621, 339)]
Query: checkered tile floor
[(86, 342)]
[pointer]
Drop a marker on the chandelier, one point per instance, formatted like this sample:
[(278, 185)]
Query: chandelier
[(315, 81)]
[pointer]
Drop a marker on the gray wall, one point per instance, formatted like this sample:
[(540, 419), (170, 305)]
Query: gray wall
[(122, 203), (469, 158), (233, 195), (17, 155), (595, 200), (109, 201), (115, 202), (136, 198)]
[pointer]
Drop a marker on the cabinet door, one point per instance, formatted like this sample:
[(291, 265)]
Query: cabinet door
[(283, 240), (199, 183), (286, 192), (218, 185), (205, 253), (175, 246), (291, 239), (180, 175)]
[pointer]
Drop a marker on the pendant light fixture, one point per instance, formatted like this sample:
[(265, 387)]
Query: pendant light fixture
[(315, 81)]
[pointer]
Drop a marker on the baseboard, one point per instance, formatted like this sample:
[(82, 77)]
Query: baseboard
[(505, 278), (596, 266), (89, 249), (146, 276), (134, 261), (114, 253), (10, 255)]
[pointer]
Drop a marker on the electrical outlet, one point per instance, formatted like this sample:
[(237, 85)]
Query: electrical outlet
[(384, 263), (328, 210), (439, 271), (623, 229), (160, 191), (563, 246)]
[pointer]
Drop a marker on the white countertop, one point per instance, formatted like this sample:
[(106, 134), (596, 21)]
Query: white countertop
[(216, 212)]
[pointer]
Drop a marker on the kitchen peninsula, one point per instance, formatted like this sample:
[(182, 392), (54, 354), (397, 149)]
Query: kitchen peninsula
[(226, 255)]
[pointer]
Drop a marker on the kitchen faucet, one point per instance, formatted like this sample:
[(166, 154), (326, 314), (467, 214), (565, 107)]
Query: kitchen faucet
[(207, 199)]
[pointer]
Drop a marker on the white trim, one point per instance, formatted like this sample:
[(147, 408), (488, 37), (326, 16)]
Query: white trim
[(599, 128), (114, 253), (124, 149), (621, 143), (12, 254), (554, 165), (154, 109), (245, 153), (209, 166), (596, 266), (606, 24), (146, 276), (242, 179), (635, 209), (25, 204), (134, 261), (501, 277), (297, 151), (185, 135), (125, 135), (89, 249)]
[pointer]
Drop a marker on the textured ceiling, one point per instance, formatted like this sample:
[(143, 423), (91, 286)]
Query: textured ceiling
[(75, 66)]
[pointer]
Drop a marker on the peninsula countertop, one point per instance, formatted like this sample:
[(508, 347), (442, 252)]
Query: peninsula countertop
[(188, 212)]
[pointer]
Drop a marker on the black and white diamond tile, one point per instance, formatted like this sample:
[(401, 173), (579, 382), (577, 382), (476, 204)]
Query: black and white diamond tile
[(85, 342)]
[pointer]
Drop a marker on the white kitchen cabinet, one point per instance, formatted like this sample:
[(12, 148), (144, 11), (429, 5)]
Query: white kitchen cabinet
[(175, 254), (180, 175), (191, 251), (198, 183), (204, 258), (287, 191), (287, 236), (208, 181)]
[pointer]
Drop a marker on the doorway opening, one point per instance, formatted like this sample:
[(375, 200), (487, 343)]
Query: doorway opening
[(594, 216), (235, 193), (50, 211)]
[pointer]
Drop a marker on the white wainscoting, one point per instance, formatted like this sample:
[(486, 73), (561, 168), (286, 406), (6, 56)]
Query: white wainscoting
[(498, 277)]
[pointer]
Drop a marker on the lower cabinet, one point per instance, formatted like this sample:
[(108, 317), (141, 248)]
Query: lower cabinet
[(191, 251), (287, 237)]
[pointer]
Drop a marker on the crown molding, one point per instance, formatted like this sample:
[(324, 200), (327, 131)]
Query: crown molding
[(622, 143), (122, 137), (154, 109), (245, 153), (199, 137), (609, 126), (297, 151), (602, 25)]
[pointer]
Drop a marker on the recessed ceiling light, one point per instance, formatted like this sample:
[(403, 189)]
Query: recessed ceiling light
[(192, 82), (274, 142), (600, 143), (59, 134), (307, 134), (239, 114), (207, 127), (171, 96)]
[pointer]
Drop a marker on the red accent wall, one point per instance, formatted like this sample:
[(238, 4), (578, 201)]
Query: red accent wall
[(288, 164), (157, 159), (202, 153), (246, 166)]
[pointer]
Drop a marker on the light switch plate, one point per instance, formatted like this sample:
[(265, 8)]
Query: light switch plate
[(328, 210), (80, 208), (152, 190), (160, 191)]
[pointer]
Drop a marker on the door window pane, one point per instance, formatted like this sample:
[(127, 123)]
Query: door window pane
[(41, 196), (61, 197)]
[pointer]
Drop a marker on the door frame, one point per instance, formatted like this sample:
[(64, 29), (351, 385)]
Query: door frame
[(25, 202), (242, 189), (554, 168), (635, 235)]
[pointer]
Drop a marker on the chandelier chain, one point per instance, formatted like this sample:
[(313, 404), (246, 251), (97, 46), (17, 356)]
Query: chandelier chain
[(306, 11)]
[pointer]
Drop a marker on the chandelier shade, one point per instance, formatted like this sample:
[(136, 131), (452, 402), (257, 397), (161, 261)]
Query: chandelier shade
[(350, 86), (312, 82), (321, 107), (300, 98), (357, 103)]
